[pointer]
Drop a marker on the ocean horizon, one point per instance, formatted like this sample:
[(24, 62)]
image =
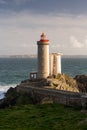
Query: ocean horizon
[(35, 56)]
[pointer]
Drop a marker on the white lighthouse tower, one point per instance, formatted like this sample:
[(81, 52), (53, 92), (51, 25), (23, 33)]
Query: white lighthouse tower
[(43, 57), (48, 65)]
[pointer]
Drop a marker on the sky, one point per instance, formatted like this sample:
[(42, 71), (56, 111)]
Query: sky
[(63, 21)]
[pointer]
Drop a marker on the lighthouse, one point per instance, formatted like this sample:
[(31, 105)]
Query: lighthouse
[(43, 57), (48, 64)]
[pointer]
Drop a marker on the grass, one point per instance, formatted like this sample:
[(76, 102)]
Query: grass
[(42, 117)]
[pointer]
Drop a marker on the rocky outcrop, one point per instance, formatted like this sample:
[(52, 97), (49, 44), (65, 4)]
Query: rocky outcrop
[(81, 82), (12, 97), (64, 82), (59, 82)]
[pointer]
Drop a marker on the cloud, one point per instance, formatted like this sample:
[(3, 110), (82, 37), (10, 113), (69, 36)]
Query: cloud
[(45, 7), (21, 1), (15, 2), (75, 43), (3, 2), (19, 33)]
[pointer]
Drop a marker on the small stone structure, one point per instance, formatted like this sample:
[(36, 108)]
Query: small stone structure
[(33, 75), (38, 94), (55, 63)]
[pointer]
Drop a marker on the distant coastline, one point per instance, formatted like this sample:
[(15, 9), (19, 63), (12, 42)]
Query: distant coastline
[(18, 56), (35, 56), (74, 56)]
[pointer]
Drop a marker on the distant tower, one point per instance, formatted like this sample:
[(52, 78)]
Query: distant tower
[(55, 63), (43, 57)]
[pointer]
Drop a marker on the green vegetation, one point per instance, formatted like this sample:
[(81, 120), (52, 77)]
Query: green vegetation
[(42, 117)]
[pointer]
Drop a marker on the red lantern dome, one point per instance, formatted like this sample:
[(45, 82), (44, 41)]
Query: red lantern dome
[(43, 38)]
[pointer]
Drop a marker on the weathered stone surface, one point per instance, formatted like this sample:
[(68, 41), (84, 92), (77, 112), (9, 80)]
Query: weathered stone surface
[(64, 82), (42, 95), (81, 82)]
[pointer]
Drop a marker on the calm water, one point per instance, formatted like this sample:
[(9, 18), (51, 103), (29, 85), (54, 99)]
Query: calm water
[(73, 66), (13, 71)]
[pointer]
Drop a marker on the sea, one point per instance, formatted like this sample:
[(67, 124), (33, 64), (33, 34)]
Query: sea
[(14, 70)]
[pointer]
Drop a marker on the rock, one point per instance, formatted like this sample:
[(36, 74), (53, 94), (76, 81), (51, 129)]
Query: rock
[(81, 82), (12, 97), (64, 82), (81, 78), (46, 100)]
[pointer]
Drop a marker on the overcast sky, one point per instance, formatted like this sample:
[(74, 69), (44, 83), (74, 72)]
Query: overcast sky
[(23, 21)]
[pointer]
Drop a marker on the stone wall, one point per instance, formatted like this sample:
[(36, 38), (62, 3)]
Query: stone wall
[(57, 96)]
